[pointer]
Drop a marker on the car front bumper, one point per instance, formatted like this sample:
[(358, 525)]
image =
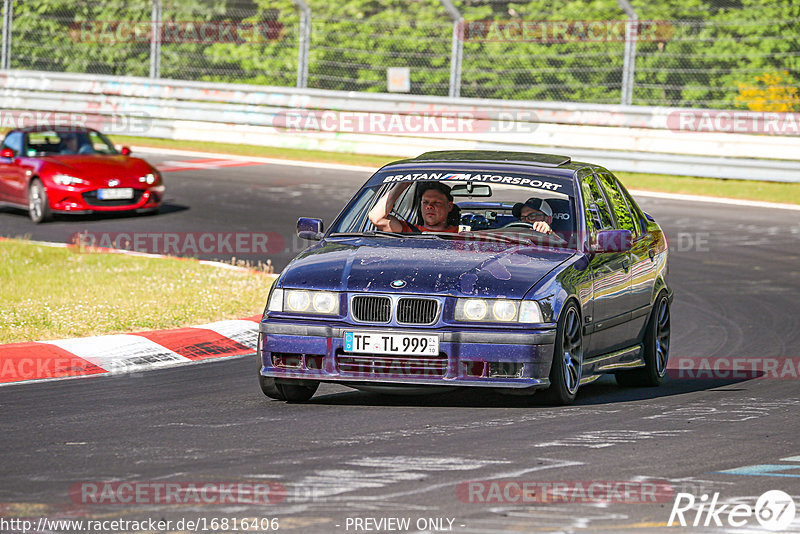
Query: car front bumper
[(514, 359), (66, 199)]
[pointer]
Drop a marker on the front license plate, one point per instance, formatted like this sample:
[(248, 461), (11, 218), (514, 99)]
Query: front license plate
[(381, 343), (123, 193)]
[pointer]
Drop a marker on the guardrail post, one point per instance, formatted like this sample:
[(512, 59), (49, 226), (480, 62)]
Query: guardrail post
[(155, 41), (304, 43), (457, 48), (8, 16), (629, 58)]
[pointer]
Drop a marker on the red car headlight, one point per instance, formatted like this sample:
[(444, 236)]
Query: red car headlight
[(66, 179)]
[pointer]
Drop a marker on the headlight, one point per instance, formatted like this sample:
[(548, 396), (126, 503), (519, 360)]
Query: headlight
[(324, 302), (148, 179), (275, 301), (471, 309), (298, 301), (498, 311), (489, 310), (66, 179), (504, 310), (321, 302), (530, 312)]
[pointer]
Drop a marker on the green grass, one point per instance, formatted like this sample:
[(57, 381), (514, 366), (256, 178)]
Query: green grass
[(53, 293), (744, 189), (787, 193), (260, 151)]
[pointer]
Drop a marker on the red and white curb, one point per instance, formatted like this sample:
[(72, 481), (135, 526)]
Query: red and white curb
[(126, 353)]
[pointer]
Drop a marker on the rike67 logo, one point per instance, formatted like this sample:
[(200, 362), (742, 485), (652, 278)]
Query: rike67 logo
[(774, 510)]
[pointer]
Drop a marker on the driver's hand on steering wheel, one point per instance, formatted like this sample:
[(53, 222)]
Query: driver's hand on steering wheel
[(542, 227)]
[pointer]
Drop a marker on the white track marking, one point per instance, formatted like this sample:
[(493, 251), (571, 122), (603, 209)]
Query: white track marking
[(241, 331), (120, 353)]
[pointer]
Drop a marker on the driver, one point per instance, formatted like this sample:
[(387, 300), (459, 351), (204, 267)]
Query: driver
[(535, 211), (436, 206), (70, 144), (73, 144)]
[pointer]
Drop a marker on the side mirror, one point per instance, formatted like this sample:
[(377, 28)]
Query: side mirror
[(612, 241), (310, 229), (126, 151), (6, 153)]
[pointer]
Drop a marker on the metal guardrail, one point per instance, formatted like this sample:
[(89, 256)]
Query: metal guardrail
[(626, 138)]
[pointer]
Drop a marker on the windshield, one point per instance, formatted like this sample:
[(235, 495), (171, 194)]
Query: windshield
[(481, 211), (68, 142)]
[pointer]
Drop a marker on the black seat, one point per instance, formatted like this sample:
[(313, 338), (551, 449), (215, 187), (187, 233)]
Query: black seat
[(563, 219)]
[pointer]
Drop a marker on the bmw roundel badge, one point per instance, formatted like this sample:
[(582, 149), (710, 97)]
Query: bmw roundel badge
[(398, 283)]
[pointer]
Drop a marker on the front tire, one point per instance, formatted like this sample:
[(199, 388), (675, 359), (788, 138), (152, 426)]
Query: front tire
[(567, 367), (656, 349), (296, 391), (38, 204)]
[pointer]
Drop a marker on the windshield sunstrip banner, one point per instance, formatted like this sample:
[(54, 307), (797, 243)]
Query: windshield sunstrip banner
[(551, 184)]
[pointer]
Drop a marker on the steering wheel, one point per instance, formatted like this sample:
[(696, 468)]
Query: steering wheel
[(518, 224), (529, 226)]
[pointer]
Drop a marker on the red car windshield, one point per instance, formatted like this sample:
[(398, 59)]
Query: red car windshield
[(67, 142)]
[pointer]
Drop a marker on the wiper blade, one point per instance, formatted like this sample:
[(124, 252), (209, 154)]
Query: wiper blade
[(368, 234), (498, 237), (382, 233)]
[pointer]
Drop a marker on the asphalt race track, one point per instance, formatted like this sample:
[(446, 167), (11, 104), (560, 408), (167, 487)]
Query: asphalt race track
[(355, 462), (216, 200)]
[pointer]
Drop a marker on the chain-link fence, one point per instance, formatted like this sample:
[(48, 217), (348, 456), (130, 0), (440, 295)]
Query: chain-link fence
[(716, 54)]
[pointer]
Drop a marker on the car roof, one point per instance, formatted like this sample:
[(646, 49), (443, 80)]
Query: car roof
[(543, 171), (545, 160), (528, 162), (54, 128)]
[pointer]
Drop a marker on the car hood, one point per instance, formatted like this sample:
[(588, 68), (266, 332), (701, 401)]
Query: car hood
[(98, 167), (430, 266)]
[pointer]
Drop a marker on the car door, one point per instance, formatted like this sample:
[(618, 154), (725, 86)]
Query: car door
[(610, 318), (642, 254), (12, 174)]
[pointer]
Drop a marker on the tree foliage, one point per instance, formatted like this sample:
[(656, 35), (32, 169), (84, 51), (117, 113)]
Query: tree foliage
[(704, 53), (774, 92)]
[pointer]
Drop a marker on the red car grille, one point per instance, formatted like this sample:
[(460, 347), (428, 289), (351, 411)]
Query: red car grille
[(90, 197), (377, 365)]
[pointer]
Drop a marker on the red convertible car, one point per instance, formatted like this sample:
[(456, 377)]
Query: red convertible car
[(74, 170)]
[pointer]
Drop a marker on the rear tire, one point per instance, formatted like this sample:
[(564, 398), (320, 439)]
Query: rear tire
[(566, 370), (656, 349), (297, 391), (38, 204)]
